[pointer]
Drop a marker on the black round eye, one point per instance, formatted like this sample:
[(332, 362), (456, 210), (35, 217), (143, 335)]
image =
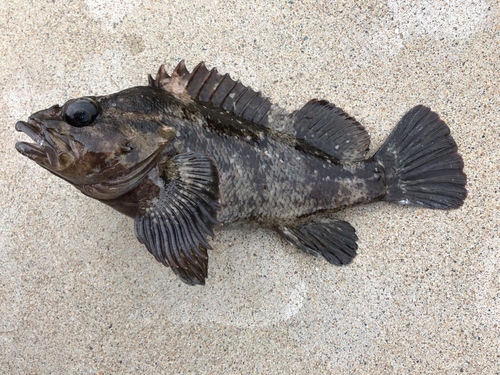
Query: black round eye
[(81, 112)]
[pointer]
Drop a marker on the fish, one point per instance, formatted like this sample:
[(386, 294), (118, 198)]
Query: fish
[(195, 152)]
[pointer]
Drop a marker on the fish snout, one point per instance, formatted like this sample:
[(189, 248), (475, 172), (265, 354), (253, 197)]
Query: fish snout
[(33, 130), (49, 150), (53, 113)]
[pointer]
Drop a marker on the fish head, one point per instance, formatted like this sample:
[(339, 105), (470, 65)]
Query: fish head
[(102, 145)]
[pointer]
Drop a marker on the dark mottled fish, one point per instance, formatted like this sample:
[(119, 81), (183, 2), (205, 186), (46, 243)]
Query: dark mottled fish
[(193, 150)]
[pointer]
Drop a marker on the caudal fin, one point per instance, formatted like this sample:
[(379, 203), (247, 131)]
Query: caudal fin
[(421, 163)]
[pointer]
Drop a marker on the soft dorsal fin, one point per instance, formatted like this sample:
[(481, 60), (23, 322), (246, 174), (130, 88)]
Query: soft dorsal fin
[(219, 91), (328, 128)]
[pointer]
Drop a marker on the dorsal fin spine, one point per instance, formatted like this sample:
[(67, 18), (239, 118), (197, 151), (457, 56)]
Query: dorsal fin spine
[(193, 73), (264, 115), (257, 109), (151, 81), (229, 92), (238, 99), (181, 67), (216, 87), (204, 83), (249, 102), (162, 73)]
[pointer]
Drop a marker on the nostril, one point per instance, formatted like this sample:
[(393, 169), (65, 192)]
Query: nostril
[(54, 110)]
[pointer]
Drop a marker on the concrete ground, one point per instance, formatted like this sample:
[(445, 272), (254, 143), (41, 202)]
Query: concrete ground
[(79, 294)]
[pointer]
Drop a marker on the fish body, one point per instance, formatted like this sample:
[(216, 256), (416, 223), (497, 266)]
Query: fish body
[(195, 150), (264, 178)]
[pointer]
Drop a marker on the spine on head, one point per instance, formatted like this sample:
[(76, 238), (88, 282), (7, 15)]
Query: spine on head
[(421, 163)]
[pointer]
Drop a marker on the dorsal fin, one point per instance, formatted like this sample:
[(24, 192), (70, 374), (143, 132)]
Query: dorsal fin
[(219, 91), (328, 128), (319, 123)]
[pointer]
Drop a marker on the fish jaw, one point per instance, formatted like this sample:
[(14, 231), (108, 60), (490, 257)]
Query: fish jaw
[(47, 150)]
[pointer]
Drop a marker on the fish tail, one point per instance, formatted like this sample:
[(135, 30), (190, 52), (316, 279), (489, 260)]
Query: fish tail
[(421, 164)]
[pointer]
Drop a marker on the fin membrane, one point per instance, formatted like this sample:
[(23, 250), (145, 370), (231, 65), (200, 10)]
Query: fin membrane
[(211, 88), (335, 240), (421, 163), (319, 124), (176, 227), (328, 128)]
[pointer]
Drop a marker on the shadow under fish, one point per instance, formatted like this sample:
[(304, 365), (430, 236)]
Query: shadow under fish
[(195, 150)]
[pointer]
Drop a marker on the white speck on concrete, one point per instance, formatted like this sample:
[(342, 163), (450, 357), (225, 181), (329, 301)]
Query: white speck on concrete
[(111, 14), (455, 19)]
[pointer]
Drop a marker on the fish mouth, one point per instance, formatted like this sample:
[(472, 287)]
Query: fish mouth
[(36, 151), (49, 150)]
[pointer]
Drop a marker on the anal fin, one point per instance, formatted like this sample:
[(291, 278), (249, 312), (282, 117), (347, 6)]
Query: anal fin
[(335, 240), (328, 128)]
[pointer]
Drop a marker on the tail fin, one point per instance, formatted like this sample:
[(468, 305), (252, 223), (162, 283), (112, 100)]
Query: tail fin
[(421, 163)]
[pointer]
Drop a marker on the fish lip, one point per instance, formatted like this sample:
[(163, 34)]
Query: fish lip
[(49, 148), (32, 129)]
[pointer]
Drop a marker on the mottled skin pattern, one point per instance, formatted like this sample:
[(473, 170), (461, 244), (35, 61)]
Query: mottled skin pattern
[(193, 150), (264, 178)]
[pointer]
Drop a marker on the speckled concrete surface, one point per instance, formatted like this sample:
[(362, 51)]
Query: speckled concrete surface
[(79, 294)]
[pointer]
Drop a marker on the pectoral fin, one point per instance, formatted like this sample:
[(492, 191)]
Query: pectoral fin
[(176, 225), (335, 240)]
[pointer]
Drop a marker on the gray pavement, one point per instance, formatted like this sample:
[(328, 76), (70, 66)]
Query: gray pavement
[(79, 294)]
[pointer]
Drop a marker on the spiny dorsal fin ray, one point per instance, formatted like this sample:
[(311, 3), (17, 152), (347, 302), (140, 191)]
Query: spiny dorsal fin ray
[(319, 123), (219, 91), (328, 128)]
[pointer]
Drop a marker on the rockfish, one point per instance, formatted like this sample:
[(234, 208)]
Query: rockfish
[(196, 151)]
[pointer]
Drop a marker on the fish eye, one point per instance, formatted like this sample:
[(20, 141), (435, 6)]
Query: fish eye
[(81, 112)]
